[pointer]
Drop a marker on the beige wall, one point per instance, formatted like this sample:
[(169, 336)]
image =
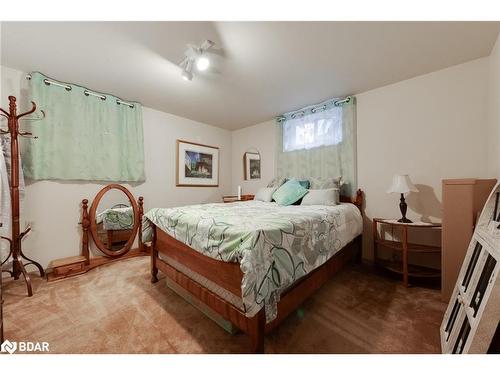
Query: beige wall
[(53, 207), (494, 111), (431, 127)]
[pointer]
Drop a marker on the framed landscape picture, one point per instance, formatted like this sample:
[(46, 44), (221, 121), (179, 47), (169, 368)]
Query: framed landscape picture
[(197, 164), (252, 165)]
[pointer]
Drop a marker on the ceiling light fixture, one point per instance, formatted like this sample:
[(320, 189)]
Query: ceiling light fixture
[(195, 55), (202, 63), (187, 72)]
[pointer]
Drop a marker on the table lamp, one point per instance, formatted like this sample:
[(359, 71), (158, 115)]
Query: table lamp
[(402, 184)]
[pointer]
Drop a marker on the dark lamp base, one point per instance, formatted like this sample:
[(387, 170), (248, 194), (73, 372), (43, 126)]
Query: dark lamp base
[(404, 220), (403, 207)]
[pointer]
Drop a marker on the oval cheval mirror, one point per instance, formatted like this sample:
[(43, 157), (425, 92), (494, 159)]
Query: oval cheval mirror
[(114, 222)]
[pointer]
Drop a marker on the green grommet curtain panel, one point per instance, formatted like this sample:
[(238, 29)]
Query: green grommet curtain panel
[(319, 141), (83, 137)]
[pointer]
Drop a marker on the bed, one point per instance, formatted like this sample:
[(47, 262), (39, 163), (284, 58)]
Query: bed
[(252, 262)]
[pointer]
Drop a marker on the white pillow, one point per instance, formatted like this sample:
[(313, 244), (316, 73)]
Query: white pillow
[(276, 182), (325, 183), (265, 194), (324, 197)]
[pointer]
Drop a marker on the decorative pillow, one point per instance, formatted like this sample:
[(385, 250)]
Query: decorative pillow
[(289, 193), (265, 194), (276, 182), (325, 182), (324, 197), (303, 182)]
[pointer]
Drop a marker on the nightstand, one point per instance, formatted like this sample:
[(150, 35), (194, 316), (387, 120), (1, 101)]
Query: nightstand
[(234, 198), (404, 247)]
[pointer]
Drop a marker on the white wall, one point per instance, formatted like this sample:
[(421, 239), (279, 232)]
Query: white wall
[(494, 111), (260, 137), (53, 207), (431, 127)]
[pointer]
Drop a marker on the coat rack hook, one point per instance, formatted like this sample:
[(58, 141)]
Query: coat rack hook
[(38, 118), (33, 109)]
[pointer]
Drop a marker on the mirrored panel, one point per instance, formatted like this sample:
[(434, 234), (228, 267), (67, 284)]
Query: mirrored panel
[(114, 219)]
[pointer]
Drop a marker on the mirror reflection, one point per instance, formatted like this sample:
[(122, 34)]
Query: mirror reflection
[(114, 219)]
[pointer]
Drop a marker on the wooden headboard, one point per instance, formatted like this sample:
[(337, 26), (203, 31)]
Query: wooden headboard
[(357, 200)]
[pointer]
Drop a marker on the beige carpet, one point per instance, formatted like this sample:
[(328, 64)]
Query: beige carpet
[(115, 309)]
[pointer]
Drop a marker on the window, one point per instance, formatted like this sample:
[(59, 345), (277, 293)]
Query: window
[(314, 130)]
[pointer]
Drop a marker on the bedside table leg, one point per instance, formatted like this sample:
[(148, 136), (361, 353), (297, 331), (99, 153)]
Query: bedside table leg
[(405, 256)]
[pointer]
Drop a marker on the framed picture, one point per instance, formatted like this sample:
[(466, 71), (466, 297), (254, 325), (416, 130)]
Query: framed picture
[(251, 162), (197, 164)]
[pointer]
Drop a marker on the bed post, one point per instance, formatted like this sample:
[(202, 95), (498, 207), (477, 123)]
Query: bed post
[(256, 330), (154, 256), (359, 240)]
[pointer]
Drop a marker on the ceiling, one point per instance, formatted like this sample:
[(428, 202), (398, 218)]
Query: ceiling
[(260, 70)]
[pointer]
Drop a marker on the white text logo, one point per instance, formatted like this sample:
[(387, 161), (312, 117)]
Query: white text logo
[(24, 346)]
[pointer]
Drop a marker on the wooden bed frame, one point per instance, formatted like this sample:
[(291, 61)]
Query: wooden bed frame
[(229, 276)]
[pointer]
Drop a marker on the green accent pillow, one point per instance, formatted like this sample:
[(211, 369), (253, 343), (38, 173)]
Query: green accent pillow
[(289, 193), (303, 183)]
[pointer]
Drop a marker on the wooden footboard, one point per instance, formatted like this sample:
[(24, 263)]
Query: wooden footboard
[(229, 275)]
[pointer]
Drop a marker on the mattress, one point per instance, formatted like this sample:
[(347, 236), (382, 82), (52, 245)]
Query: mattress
[(274, 245)]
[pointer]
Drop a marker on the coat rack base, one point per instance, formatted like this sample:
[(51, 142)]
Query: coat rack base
[(19, 268)]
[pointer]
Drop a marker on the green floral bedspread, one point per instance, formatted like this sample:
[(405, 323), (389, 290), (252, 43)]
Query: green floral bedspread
[(116, 218), (275, 245)]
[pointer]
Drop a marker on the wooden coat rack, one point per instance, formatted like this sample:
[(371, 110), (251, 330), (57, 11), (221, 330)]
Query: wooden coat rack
[(18, 267)]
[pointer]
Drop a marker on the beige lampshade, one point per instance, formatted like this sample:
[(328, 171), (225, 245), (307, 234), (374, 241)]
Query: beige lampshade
[(402, 184)]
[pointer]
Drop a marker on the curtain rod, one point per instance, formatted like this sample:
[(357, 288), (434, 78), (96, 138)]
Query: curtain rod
[(314, 108), (342, 101), (68, 87)]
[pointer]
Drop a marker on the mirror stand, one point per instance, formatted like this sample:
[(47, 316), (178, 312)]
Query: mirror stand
[(76, 265)]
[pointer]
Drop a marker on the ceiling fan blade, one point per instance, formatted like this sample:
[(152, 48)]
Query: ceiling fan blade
[(207, 44), (184, 62)]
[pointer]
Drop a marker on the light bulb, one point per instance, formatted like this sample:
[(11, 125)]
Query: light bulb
[(202, 63)]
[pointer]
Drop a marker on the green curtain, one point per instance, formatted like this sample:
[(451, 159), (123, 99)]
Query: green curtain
[(82, 136), (323, 161)]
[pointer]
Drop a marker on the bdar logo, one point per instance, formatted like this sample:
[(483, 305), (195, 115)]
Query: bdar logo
[(8, 347), (24, 347)]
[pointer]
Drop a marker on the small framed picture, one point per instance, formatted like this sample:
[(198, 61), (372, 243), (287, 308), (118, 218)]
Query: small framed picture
[(251, 162), (197, 164)]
